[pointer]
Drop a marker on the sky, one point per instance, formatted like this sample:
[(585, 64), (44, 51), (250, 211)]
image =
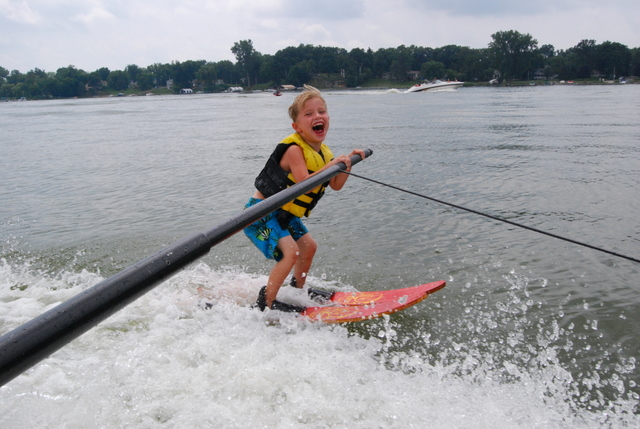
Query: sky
[(90, 34)]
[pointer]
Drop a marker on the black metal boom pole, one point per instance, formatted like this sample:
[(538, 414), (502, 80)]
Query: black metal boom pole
[(28, 344)]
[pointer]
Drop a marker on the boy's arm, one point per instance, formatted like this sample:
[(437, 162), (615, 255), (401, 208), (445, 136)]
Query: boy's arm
[(337, 182), (293, 162)]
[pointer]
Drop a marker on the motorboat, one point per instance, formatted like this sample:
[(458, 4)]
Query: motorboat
[(436, 85)]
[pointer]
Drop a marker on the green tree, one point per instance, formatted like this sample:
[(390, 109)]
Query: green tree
[(547, 51), (398, 71), (613, 59), (474, 65), (257, 67), (71, 82), (352, 78), (276, 68), (133, 71), (103, 72), (208, 74), (583, 72), (145, 81), (14, 77), (69, 87), (448, 55), (285, 59), (50, 88), (94, 81), (184, 74), (268, 71), (565, 66), (382, 59), (585, 55), (118, 80), (542, 59), (246, 57), (226, 72), (433, 70), (360, 59), (301, 73), (326, 60), (635, 61), (512, 53), (161, 73), (6, 89), (401, 64), (421, 55)]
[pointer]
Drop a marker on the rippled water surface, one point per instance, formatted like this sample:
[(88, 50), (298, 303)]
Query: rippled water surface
[(531, 331)]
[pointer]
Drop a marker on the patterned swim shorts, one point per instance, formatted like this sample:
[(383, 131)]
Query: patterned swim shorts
[(266, 232)]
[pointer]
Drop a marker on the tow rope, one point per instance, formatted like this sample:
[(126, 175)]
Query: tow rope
[(519, 225)]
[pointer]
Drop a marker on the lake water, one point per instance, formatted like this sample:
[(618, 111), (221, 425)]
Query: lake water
[(531, 331)]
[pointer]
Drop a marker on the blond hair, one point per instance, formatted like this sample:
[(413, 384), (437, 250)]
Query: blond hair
[(306, 95)]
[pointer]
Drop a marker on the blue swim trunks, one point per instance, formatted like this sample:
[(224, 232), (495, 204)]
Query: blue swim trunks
[(266, 232)]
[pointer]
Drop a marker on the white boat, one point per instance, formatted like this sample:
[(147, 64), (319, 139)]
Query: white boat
[(436, 85)]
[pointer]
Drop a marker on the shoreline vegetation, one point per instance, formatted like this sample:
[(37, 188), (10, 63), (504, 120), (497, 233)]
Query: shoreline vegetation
[(381, 85), (510, 59)]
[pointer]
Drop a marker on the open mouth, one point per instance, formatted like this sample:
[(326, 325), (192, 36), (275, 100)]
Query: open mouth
[(318, 128)]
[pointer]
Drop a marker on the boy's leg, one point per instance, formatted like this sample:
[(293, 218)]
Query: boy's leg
[(307, 250), (281, 270)]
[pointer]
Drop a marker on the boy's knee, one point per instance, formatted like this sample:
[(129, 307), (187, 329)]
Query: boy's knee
[(311, 247), (293, 258), (308, 247), (291, 255)]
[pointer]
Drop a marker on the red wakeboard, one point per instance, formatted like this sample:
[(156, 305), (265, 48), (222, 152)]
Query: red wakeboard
[(357, 306)]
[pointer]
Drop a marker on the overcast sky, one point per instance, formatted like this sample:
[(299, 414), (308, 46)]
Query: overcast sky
[(89, 34)]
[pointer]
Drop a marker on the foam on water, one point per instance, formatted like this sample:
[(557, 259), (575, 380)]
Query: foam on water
[(165, 361)]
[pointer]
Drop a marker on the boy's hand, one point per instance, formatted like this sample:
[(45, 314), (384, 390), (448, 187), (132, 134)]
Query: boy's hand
[(347, 158), (358, 152), (338, 181)]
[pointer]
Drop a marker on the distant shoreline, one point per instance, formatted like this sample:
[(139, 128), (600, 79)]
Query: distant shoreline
[(400, 86)]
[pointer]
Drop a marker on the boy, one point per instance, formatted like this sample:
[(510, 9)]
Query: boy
[(281, 235)]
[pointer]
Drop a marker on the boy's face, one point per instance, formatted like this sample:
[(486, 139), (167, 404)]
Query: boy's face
[(313, 121)]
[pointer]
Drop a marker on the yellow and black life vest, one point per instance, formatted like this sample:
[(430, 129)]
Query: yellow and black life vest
[(273, 179)]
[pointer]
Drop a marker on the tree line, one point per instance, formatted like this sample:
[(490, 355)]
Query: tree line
[(509, 56)]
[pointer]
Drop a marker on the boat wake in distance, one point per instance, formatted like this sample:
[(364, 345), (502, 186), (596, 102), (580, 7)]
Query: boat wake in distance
[(436, 85)]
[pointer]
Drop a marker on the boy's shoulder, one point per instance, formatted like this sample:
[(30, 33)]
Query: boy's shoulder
[(300, 141), (294, 138)]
